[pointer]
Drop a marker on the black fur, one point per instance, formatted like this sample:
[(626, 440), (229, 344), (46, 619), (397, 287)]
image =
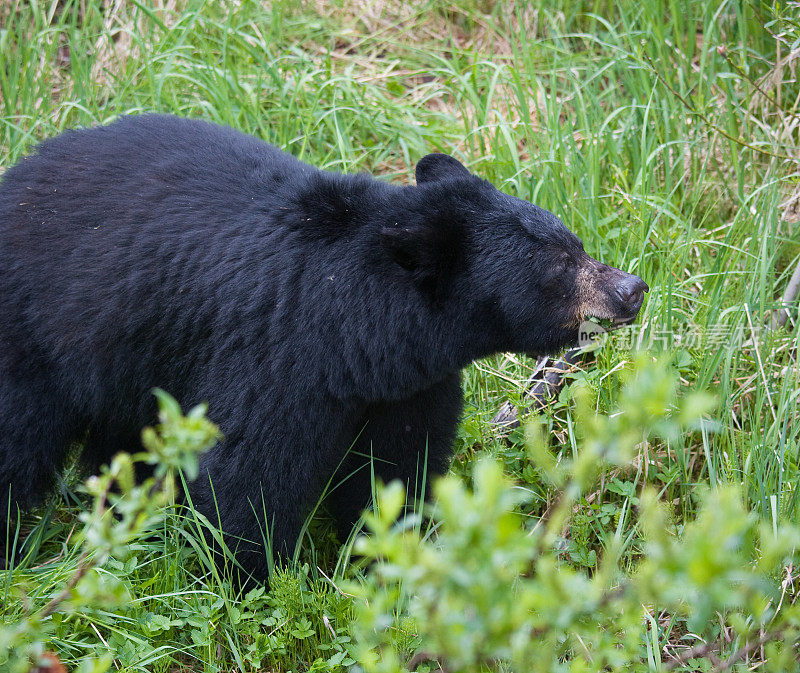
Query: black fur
[(312, 311)]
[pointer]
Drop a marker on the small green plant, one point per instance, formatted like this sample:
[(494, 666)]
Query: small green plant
[(295, 622), (487, 592), (121, 510)]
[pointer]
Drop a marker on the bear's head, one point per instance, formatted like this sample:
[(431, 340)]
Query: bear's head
[(501, 266)]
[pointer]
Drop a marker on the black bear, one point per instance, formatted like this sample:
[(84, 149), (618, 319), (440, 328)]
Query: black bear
[(325, 318)]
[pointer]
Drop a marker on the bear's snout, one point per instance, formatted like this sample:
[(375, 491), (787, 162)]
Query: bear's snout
[(606, 292), (629, 292)]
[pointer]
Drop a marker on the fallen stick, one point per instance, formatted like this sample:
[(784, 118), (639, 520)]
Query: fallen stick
[(782, 315), (544, 384)]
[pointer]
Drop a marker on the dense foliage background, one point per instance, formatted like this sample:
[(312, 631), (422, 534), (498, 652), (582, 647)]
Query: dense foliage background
[(666, 134)]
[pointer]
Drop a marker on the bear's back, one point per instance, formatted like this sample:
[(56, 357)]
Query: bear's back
[(147, 234), (121, 173)]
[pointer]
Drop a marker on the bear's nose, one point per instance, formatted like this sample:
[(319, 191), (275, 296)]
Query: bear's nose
[(630, 291)]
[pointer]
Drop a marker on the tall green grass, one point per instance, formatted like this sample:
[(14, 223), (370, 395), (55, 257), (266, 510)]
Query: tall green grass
[(663, 132)]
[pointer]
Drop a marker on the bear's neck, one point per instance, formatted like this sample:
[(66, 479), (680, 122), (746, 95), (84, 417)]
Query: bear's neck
[(391, 349), (392, 338)]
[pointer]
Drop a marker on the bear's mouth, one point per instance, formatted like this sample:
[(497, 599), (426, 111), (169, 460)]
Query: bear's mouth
[(611, 323), (605, 322)]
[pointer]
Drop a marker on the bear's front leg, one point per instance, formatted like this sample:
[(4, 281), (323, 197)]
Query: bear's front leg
[(409, 439), (258, 486)]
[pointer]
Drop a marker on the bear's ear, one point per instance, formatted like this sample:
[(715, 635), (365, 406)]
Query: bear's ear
[(439, 167), (415, 248)]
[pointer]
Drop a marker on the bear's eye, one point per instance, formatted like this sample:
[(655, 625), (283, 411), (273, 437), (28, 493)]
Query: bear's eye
[(562, 263)]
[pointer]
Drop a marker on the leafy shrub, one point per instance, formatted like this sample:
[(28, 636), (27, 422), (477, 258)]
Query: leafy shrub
[(485, 591), (121, 510)]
